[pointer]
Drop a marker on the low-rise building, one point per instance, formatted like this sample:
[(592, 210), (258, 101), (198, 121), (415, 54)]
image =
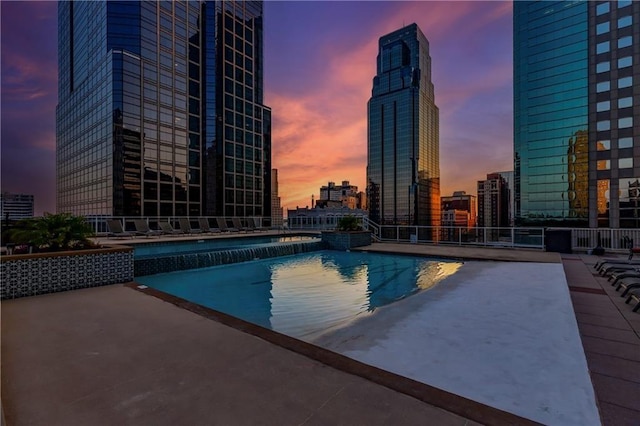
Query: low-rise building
[(16, 206)]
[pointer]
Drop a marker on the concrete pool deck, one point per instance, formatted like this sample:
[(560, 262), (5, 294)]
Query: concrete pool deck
[(113, 355)]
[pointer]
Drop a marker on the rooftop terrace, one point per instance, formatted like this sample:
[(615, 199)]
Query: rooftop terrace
[(119, 355)]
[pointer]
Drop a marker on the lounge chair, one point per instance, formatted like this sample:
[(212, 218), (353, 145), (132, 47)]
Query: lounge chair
[(185, 226), (167, 229), (204, 225), (222, 224), (142, 228), (619, 275), (634, 295), (257, 223), (115, 229), (237, 224), (627, 285)]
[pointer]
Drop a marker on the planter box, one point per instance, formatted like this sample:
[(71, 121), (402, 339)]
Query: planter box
[(345, 240), (32, 274)]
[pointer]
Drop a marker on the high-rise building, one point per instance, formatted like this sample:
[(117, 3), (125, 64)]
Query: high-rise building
[(403, 170), (493, 201), (509, 181), (277, 219), (576, 112), (160, 109), (459, 209), (15, 206), (339, 195)]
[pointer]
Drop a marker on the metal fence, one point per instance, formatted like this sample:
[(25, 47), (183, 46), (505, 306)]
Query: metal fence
[(99, 223)]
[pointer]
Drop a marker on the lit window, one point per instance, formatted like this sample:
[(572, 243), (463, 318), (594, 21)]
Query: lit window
[(603, 47), (603, 106), (625, 163), (603, 164), (624, 42), (602, 8), (625, 82), (603, 125), (624, 123), (625, 143), (625, 102), (603, 67), (602, 28), (627, 61), (625, 21), (603, 86), (604, 145)]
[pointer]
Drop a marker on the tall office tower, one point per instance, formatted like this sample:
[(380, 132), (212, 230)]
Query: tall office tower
[(403, 170), (160, 109), (493, 201), (276, 206), (508, 178), (576, 112)]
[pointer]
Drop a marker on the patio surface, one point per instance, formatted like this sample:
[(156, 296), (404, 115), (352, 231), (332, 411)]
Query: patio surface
[(114, 355)]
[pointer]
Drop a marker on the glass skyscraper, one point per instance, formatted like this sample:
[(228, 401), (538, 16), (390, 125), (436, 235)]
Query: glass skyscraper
[(576, 113), (160, 109), (403, 166)]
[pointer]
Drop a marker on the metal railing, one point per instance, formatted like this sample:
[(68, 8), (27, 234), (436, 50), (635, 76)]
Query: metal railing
[(607, 238), (533, 238), (99, 223)]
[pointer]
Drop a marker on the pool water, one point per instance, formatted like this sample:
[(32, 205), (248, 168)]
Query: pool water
[(307, 294), (212, 244)]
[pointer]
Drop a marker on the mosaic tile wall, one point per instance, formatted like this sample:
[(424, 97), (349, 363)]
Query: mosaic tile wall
[(40, 275), (346, 240)]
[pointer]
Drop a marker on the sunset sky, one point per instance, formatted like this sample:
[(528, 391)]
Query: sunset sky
[(320, 59)]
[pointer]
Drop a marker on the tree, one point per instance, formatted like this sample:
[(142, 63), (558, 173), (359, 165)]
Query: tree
[(54, 232)]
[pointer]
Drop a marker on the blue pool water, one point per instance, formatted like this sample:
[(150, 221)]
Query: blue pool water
[(306, 294), (211, 244)]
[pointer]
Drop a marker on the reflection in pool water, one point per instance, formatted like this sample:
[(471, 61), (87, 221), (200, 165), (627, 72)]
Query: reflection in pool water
[(304, 294)]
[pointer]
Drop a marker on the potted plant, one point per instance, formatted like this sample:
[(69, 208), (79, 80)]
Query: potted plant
[(52, 233), (348, 234)]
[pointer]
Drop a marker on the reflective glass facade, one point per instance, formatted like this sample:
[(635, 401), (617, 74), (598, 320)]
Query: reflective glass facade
[(575, 101), (403, 170), (160, 109)]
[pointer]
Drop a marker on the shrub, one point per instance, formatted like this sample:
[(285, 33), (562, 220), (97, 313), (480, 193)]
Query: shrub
[(53, 232), (349, 223)]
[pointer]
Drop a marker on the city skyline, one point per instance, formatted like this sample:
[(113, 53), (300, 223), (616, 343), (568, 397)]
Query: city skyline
[(317, 82)]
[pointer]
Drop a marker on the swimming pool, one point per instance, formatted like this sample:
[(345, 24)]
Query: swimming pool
[(157, 249), (307, 294)]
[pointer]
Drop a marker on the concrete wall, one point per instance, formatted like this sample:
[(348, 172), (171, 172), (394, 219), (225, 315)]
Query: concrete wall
[(338, 240), (41, 273)]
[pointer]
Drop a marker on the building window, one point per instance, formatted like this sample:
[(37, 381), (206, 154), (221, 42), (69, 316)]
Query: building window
[(603, 67), (604, 47), (604, 164), (627, 61), (623, 3), (625, 102), (625, 21), (625, 143), (603, 125), (624, 123), (602, 8), (602, 28), (625, 163), (603, 106), (625, 82), (603, 145), (603, 86), (625, 42)]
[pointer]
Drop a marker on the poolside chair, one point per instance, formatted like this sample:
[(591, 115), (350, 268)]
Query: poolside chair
[(167, 229), (257, 224), (222, 224), (237, 224), (185, 226), (204, 225), (142, 228), (115, 229), (634, 294), (627, 285)]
